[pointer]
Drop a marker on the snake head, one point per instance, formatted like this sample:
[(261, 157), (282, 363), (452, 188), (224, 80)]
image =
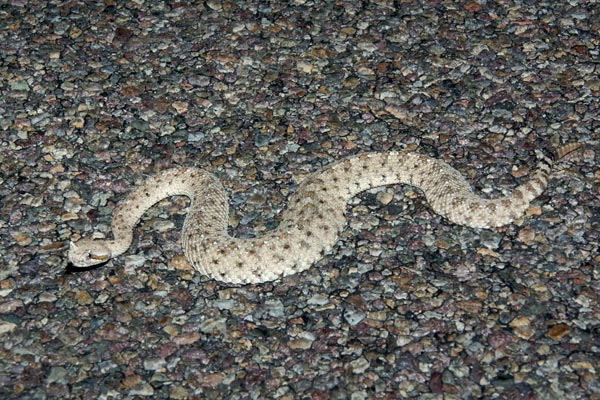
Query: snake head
[(87, 252)]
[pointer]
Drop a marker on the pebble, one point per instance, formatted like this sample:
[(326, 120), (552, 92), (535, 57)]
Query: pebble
[(189, 338), (163, 225), (6, 327), (224, 304), (142, 389), (385, 197), (527, 235), (213, 325), (23, 238), (318, 299), (134, 260), (155, 364), (557, 332), (300, 344), (180, 106), (57, 375), (274, 308), (359, 365), (83, 297), (353, 317)]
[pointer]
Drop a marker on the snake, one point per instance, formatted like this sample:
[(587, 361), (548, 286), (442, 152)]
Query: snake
[(314, 217)]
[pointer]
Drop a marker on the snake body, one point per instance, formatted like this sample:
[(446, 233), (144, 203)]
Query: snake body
[(314, 217)]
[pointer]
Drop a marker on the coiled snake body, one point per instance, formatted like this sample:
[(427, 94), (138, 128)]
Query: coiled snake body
[(314, 217)]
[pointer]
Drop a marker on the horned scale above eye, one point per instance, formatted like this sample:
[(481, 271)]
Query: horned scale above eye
[(310, 225)]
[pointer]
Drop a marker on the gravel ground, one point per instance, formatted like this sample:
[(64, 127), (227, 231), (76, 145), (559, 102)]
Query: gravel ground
[(95, 96)]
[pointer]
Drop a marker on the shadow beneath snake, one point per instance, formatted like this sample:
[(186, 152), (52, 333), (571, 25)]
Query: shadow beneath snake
[(71, 269)]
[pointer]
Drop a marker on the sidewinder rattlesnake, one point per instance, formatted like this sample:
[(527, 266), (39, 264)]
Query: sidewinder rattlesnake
[(314, 217)]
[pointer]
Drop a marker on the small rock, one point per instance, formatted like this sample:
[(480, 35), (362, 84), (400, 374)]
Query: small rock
[(70, 337), (187, 338), (172, 330), (224, 304), (360, 395), (83, 297), (214, 325), (522, 327), (19, 85), (6, 327), (154, 363), (195, 136), (142, 389), (75, 32), (385, 197), (180, 106), (519, 322), (435, 383), (302, 344), (58, 375), (360, 365), (274, 308), (178, 393), (306, 67), (558, 331), (22, 238), (10, 306), (533, 210), (524, 332), (214, 5), (582, 365), (69, 217), (78, 122), (318, 299), (180, 263), (488, 252), (364, 267), (473, 6), (162, 225), (353, 317), (403, 340), (527, 235), (211, 380), (102, 298), (134, 260), (131, 381)]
